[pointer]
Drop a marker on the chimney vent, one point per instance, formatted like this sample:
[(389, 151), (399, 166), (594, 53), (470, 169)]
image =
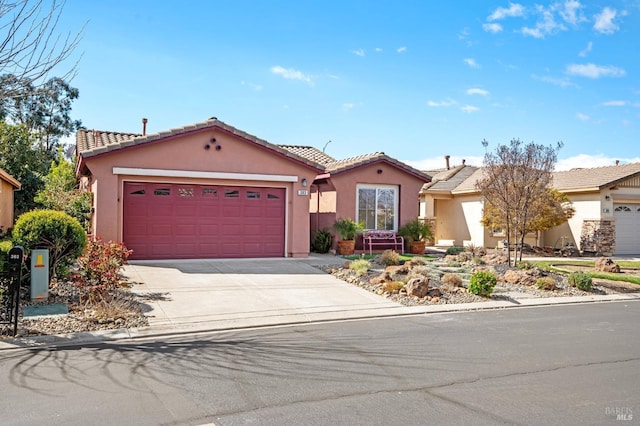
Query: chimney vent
[(464, 161), (144, 127), (446, 159), (617, 162)]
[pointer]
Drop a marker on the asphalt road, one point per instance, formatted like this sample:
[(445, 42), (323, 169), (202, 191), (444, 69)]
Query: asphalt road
[(577, 364)]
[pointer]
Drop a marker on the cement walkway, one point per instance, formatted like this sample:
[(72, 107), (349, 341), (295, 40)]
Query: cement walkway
[(216, 295)]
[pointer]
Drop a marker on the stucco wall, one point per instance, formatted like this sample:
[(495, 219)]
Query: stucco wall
[(6, 205), (188, 153), (346, 183)]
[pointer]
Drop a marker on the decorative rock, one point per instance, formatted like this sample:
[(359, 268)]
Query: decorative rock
[(346, 264), (418, 287), (605, 264), (397, 269), (435, 293)]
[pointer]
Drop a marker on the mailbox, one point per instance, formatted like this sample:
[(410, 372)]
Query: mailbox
[(16, 255)]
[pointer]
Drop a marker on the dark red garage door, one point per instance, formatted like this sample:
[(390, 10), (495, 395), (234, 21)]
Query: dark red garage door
[(173, 221)]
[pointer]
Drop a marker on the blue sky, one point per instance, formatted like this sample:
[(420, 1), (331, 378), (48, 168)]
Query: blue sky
[(415, 79)]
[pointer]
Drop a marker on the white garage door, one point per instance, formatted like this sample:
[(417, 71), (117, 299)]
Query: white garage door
[(627, 228)]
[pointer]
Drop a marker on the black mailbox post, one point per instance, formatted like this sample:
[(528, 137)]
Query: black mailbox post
[(14, 277)]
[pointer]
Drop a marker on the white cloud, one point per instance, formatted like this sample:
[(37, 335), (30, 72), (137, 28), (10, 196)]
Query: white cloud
[(544, 26), (575, 162), (477, 91), (358, 52), (594, 71), (614, 103), (378, 49), (586, 50), (291, 74), (446, 103), (401, 49), (570, 12), (583, 117), (586, 160), (561, 82), (439, 163), (604, 21), (464, 33), (255, 87), (514, 10), (471, 62), (492, 27), (469, 109)]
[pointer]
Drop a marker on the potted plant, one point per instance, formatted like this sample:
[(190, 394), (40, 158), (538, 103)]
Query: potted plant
[(416, 232), (347, 229)]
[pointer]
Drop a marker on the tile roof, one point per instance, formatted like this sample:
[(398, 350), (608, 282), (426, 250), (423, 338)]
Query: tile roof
[(448, 180), (332, 165), (594, 178), (310, 153), (92, 142)]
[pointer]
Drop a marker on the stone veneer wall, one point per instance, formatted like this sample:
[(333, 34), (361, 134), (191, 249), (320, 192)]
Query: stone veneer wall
[(432, 225), (598, 237)]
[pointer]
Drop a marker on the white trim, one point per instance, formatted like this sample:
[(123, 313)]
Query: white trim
[(203, 175), (396, 203)]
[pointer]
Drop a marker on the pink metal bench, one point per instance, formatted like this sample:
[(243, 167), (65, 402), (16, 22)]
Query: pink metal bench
[(380, 237)]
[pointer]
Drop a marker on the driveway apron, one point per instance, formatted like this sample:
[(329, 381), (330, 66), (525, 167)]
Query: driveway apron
[(231, 293)]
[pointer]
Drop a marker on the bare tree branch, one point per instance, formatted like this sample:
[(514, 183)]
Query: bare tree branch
[(30, 45)]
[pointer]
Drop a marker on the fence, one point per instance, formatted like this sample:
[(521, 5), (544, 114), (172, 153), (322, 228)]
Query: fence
[(10, 277)]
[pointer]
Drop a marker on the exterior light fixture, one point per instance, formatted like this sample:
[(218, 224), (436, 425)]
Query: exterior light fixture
[(606, 197), (304, 182)]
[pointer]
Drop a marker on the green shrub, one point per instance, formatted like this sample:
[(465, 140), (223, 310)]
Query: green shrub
[(546, 283), (580, 280), (360, 266), (5, 246), (525, 264), (452, 280), (56, 231), (454, 250), (322, 241), (482, 283), (389, 257)]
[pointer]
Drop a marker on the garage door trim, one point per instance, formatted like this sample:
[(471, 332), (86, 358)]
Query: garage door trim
[(203, 175)]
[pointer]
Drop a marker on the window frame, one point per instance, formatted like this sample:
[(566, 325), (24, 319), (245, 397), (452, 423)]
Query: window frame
[(377, 187)]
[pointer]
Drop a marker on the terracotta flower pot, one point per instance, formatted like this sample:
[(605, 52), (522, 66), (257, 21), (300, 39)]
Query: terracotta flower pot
[(417, 247), (346, 247)]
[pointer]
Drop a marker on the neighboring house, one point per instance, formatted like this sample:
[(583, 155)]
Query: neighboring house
[(209, 190), (8, 185), (606, 202)]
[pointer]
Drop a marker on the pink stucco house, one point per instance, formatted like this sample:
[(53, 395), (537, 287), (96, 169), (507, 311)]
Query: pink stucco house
[(209, 190)]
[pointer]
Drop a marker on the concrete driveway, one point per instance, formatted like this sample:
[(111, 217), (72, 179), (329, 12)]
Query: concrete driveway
[(199, 295)]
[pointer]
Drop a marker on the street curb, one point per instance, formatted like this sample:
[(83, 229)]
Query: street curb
[(92, 337)]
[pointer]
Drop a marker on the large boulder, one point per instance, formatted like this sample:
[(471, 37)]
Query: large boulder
[(418, 287), (526, 277), (605, 264)]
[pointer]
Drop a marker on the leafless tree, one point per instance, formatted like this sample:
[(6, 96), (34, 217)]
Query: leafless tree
[(30, 45), (515, 178)]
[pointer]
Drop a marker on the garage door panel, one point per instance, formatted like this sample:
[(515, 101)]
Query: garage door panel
[(192, 221), (627, 226)]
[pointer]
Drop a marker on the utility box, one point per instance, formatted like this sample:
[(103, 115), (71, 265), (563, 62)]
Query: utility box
[(39, 274)]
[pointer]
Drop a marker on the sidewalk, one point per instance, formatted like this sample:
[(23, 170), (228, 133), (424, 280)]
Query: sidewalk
[(220, 295)]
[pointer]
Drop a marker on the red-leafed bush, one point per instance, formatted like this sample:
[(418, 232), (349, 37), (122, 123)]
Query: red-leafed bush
[(99, 266)]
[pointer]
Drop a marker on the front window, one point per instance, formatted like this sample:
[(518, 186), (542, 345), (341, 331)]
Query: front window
[(378, 206)]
